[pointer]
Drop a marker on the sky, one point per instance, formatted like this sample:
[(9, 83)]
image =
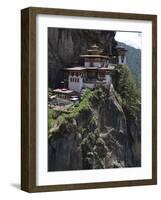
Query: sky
[(130, 38)]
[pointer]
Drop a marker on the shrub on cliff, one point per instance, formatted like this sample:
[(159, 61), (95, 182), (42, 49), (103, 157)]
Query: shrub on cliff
[(128, 91)]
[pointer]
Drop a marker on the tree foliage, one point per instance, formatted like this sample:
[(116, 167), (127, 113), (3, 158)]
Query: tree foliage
[(127, 89)]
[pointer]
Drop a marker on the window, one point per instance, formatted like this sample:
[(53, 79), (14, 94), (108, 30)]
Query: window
[(122, 59)]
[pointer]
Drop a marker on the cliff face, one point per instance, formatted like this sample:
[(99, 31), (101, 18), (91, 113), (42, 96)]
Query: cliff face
[(66, 45), (103, 131), (96, 134)]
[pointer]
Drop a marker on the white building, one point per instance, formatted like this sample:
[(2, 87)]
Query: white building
[(97, 69), (121, 55)]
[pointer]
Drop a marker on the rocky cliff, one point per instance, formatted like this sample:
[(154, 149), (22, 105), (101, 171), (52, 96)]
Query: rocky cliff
[(96, 134), (103, 131), (66, 45)]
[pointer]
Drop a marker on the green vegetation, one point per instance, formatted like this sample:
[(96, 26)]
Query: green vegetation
[(91, 98), (84, 105), (53, 115), (78, 113), (51, 118), (126, 88), (93, 150)]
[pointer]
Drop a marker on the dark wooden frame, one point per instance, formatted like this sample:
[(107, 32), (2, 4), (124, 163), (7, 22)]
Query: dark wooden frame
[(28, 98)]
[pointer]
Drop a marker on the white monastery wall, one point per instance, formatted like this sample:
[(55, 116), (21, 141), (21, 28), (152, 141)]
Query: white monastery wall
[(75, 83), (87, 64), (122, 62), (108, 79), (96, 64)]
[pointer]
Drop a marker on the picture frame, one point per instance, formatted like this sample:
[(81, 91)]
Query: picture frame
[(29, 96)]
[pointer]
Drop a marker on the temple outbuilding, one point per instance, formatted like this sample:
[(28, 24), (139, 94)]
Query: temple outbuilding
[(121, 55)]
